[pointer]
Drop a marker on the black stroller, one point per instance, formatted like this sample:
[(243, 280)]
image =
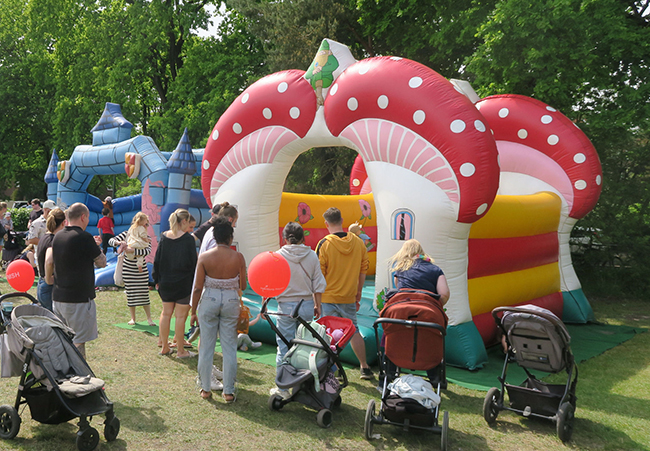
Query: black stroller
[(536, 339), (323, 393), (55, 380), (414, 325), (14, 243)]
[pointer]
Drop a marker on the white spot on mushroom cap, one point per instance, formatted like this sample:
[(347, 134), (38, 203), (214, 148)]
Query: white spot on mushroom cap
[(480, 126), (244, 98), (551, 109), (396, 58), (415, 82), (294, 112), (282, 87), (419, 116), (236, 127), (503, 113), (481, 209), (522, 133), (467, 169), (382, 102), (333, 89), (580, 184), (598, 179), (215, 135), (353, 104), (457, 126), (206, 165), (579, 158), (364, 69), (553, 140), (356, 182), (267, 113), (547, 119)]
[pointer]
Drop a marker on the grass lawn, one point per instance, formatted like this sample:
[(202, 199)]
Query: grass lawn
[(159, 407)]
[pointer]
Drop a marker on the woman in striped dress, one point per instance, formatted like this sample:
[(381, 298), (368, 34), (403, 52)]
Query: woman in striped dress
[(136, 283)]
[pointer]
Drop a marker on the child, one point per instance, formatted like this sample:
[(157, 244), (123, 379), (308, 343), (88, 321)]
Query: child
[(105, 227), (138, 237), (244, 341)]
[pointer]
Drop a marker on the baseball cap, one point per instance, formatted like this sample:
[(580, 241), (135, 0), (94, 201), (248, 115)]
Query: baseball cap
[(49, 204)]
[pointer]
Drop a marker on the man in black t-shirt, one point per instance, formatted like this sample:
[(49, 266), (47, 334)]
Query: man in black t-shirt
[(75, 252)]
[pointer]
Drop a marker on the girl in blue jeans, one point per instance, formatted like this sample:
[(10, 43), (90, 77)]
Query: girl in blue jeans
[(220, 280)]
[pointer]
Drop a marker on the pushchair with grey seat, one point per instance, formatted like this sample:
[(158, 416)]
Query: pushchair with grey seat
[(55, 380), (536, 339)]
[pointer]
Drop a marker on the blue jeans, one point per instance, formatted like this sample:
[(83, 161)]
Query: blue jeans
[(217, 314), (287, 326), (44, 293)]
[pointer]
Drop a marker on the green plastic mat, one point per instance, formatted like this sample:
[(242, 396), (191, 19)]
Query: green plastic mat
[(587, 341)]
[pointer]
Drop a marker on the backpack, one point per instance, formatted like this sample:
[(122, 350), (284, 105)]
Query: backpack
[(305, 357)]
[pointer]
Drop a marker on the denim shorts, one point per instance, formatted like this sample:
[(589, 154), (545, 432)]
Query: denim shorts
[(348, 311)]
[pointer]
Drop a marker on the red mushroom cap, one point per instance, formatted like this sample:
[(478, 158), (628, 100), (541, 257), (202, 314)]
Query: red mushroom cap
[(358, 176), (281, 106), (529, 122), (428, 126)]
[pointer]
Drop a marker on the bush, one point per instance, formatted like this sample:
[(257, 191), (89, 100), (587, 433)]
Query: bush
[(20, 218)]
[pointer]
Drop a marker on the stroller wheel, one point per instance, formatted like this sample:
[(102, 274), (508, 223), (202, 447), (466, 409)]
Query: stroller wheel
[(370, 413), (9, 422), (111, 429), (491, 406), (87, 439), (565, 421), (444, 437), (275, 402), (337, 402), (324, 418)]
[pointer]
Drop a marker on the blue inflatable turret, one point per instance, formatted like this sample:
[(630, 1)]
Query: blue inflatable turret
[(112, 126), (181, 167), (51, 178)]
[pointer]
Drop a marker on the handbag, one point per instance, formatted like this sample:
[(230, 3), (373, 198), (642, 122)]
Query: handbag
[(117, 276), (244, 318)]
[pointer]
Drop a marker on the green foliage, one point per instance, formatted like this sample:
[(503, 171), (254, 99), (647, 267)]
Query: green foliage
[(20, 218), (323, 170)]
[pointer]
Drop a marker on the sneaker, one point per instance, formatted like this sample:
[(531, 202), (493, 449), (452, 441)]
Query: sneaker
[(215, 385), (217, 373), (282, 393), (256, 344), (193, 334), (366, 373)]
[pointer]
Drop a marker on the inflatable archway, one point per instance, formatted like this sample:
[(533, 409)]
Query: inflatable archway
[(433, 161)]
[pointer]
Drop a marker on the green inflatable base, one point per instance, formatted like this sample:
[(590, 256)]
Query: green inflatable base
[(262, 331), (464, 346), (576, 307)]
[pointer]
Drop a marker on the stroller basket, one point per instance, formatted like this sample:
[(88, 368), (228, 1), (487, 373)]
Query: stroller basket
[(543, 399)]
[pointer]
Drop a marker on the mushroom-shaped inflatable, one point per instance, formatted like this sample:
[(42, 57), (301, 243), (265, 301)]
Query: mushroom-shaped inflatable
[(540, 149), (430, 158)]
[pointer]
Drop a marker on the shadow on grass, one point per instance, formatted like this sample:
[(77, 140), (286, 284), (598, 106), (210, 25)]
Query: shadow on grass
[(140, 418)]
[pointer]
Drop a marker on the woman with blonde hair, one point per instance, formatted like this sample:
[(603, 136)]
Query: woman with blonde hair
[(136, 281), (413, 268), (173, 273)]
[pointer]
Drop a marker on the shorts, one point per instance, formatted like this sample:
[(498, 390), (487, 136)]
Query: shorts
[(348, 311), (80, 317), (182, 301)]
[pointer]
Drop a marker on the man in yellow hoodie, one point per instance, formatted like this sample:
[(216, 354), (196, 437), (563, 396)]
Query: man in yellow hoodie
[(344, 263)]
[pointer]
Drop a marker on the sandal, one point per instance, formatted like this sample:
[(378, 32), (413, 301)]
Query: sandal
[(187, 345), (229, 398), (206, 394)]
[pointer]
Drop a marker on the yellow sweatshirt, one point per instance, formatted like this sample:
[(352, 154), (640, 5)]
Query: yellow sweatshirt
[(342, 260)]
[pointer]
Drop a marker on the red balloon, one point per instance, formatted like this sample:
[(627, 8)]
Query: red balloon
[(20, 275), (269, 274)]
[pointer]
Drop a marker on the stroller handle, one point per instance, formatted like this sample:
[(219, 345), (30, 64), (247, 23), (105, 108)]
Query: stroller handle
[(18, 294), (410, 323), (554, 320)]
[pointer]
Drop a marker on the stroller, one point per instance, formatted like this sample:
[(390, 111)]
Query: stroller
[(55, 380), (536, 339), (318, 386), (414, 325), (14, 243)]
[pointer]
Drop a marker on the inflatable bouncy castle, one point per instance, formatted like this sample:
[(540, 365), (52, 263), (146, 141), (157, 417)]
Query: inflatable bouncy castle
[(490, 187)]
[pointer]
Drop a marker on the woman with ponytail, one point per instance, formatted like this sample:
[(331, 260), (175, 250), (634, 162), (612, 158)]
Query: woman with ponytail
[(173, 273)]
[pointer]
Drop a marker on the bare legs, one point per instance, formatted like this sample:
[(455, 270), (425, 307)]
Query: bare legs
[(163, 328), (147, 311), (179, 329), (359, 348), (180, 311)]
